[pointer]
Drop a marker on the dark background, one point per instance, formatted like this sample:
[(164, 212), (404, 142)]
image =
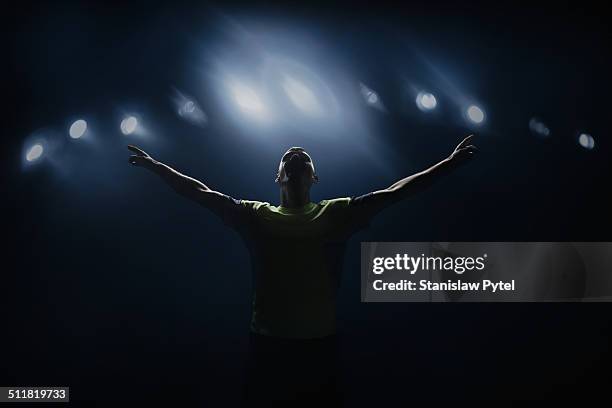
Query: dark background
[(120, 289)]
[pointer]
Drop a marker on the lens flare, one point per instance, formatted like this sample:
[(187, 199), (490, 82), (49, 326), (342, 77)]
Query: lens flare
[(129, 125), (247, 99), (585, 140), (78, 129), (301, 96), (35, 152), (475, 114), (426, 101)]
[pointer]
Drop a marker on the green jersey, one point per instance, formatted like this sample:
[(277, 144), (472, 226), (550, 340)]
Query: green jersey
[(296, 256)]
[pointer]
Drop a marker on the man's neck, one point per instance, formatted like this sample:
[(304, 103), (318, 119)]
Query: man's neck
[(294, 198)]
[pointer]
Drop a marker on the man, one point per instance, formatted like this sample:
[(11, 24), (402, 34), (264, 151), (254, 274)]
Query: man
[(296, 251)]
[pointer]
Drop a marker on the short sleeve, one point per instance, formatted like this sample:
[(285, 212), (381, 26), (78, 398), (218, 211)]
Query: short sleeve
[(361, 202), (240, 214), (352, 214), (361, 210)]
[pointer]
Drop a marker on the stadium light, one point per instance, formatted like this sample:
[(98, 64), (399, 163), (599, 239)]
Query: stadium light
[(35, 152), (475, 114), (78, 129), (586, 140), (426, 101), (129, 125)]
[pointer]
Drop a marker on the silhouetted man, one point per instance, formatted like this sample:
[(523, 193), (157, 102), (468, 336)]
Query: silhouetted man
[(296, 253)]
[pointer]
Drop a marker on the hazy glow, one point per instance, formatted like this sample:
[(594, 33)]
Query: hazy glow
[(247, 99), (301, 97), (77, 129), (371, 97), (475, 114), (188, 109), (538, 127), (426, 101), (34, 153), (586, 141), (129, 125)]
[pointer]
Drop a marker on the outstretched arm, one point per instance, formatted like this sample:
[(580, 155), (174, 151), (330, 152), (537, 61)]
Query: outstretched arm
[(182, 184), (407, 186)]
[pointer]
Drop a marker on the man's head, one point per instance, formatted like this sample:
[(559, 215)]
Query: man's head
[(296, 169)]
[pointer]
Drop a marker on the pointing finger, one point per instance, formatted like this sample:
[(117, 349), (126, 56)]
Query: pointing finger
[(466, 141), (136, 150)]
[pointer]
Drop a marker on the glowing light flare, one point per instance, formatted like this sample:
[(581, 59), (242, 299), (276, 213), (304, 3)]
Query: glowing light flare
[(371, 97), (34, 152), (247, 99), (129, 125), (301, 96), (586, 140), (77, 129), (475, 114), (539, 128), (426, 101), (187, 108), (191, 112)]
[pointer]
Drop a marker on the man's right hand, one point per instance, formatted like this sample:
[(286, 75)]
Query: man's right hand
[(464, 151), (140, 158)]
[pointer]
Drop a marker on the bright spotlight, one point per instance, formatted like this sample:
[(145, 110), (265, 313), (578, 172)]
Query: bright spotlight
[(426, 101), (77, 129), (34, 152), (475, 114), (538, 127), (301, 97), (129, 125), (371, 97), (247, 99), (191, 112), (188, 109), (585, 140)]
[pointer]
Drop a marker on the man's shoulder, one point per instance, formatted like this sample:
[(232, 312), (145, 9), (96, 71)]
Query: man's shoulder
[(254, 204), (341, 202), (354, 202)]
